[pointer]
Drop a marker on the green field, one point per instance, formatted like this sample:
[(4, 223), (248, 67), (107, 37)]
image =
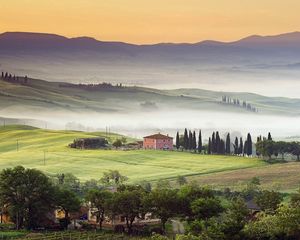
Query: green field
[(48, 151), (138, 165)]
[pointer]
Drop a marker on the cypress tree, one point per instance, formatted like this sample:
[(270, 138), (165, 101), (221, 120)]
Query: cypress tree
[(177, 140), (190, 140), (200, 142), (213, 143), (194, 141), (241, 147), (185, 139), (222, 147), (245, 148), (249, 145), (236, 146), (269, 136), (209, 147), (218, 141), (228, 143)]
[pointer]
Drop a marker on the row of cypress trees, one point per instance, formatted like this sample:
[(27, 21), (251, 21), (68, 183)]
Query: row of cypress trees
[(216, 145), (189, 141)]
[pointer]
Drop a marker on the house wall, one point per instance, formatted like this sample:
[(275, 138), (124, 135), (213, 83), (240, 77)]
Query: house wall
[(159, 144), (149, 143), (164, 144)]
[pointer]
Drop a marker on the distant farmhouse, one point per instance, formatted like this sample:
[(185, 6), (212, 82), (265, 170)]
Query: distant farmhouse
[(158, 142)]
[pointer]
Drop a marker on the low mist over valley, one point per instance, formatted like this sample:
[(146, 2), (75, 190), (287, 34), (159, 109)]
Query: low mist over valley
[(137, 111)]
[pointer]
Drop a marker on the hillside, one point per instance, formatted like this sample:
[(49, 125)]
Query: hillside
[(38, 95), (250, 64), (138, 165), (86, 164)]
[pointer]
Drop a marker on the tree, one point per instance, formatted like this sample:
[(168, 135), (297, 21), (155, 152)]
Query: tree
[(128, 203), (163, 203), (268, 200), (68, 202), (68, 181), (213, 143), (249, 145), (218, 141), (200, 142), (241, 146), (205, 208), (269, 137), (186, 139), (177, 141), (113, 177), (191, 143), (101, 200), (117, 143), (228, 143), (188, 194), (181, 180), (194, 145), (266, 148), (209, 147), (294, 148), (235, 218), (282, 148), (28, 194), (236, 146)]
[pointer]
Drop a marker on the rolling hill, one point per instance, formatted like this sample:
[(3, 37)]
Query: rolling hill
[(38, 95), (250, 64), (48, 151)]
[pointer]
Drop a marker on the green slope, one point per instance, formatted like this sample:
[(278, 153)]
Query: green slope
[(40, 95), (138, 165)]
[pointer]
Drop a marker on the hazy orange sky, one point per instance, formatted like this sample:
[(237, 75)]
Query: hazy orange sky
[(151, 21)]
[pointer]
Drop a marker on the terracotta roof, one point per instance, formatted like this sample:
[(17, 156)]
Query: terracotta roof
[(158, 136)]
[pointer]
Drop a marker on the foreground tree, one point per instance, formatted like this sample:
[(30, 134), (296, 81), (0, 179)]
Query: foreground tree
[(128, 203), (67, 201), (100, 200), (268, 200), (28, 194), (163, 203), (113, 177)]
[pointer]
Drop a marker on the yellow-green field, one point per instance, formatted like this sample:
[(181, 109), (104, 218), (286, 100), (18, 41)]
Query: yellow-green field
[(222, 171), (138, 165)]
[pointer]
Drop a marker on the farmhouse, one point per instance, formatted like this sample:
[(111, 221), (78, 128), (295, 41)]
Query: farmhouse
[(158, 141)]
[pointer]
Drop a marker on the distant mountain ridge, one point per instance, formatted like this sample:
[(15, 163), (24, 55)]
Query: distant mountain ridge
[(250, 64), (35, 40)]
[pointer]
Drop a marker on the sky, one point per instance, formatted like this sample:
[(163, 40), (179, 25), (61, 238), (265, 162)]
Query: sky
[(152, 21)]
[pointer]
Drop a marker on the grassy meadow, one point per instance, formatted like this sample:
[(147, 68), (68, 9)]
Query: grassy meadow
[(48, 150), (27, 146)]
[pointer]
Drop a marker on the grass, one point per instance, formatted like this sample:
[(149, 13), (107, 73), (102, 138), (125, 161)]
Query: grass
[(42, 95), (281, 177), (138, 165)]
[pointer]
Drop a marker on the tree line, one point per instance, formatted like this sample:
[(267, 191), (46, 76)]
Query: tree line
[(9, 77), (216, 145), (29, 195), (93, 86), (239, 103), (265, 147)]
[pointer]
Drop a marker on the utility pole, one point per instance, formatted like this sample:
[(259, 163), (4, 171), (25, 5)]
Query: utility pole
[(17, 145), (44, 158)]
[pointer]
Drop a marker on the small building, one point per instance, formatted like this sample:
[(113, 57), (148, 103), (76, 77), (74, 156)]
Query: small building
[(158, 142)]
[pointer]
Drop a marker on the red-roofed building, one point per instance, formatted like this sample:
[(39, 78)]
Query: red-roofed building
[(158, 142)]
